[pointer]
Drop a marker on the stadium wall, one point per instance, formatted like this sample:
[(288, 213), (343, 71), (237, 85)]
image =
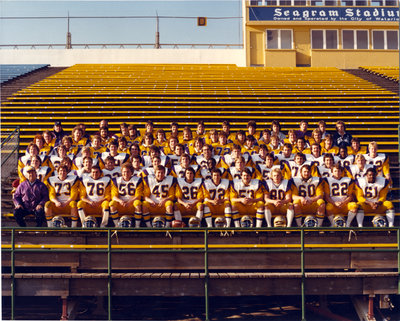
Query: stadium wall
[(69, 57)]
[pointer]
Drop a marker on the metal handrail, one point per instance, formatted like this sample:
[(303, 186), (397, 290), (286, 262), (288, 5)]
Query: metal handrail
[(123, 45), (7, 139), (302, 249)]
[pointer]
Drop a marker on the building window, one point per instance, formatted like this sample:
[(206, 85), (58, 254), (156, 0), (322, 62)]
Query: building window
[(385, 39), (324, 39), (384, 3), (355, 39), (351, 3), (279, 39)]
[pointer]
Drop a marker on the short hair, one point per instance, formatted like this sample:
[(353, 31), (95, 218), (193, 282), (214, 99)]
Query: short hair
[(371, 169), (159, 168), (96, 137), (293, 132), (240, 132), (123, 125), (247, 171), (355, 140), (77, 128), (305, 166), (62, 167), (213, 131), (190, 169), (174, 124), (300, 155), (35, 146), (132, 127), (216, 170), (359, 156), (316, 131), (154, 148), (277, 170), (251, 123), (136, 157), (149, 122), (337, 166), (114, 142), (276, 123), (328, 155), (200, 122), (66, 159), (128, 166), (109, 158), (122, 139), (37, 157), (373, 144), (329, 136), (160, 131), (241, 158), (302, 139), (270, 155), (304, 122), (222, 134), (39, 136), (226, 123), (97, 167), (236, 147), (265, 131), (264, 147), (68, 138), (322, 122), (316, 144), (185, 156), (250, 138), (288, 145), (88, 157), (340, 122)]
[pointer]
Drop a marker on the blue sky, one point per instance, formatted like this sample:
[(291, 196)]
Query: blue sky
[(172, 30)]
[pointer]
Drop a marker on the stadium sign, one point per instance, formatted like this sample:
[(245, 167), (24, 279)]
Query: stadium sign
[(323, 14)]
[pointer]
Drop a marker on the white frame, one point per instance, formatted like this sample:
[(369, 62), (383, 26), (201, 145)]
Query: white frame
[(384, 38), (324, 39), (355, 46), (279, 39)]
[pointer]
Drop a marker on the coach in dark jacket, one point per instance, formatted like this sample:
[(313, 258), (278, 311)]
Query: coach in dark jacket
[(29, 198), (341, 138)]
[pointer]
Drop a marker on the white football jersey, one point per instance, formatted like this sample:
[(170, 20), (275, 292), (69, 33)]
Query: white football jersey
[(308, 188), (378, 161), (63, 188), (116, 172), (278, 192), (236, 174), (371, 190), (159, 190), (339, 188), (127, 189), (119, 159), (344, 162), (230, 161), (180, 172), (41, 173), (266, 171), (190, 190), (246, 190), (202, 162), (315, 160), (295, 168), (78, 161), (324, 172), (257, 160), (281, 158), (217, 192), (356, 172), (148, 163), (96, 189)]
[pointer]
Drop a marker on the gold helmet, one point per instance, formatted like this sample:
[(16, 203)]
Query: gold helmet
[(246, 221), (310, 221), (338, 221), (125, 221), (58, 221), (280, 221), (89, 221), (379, 221), (220, 221), (158, 222), (194, 221)]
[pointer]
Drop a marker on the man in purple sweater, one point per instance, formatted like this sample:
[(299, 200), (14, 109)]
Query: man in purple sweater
[(29, 198)]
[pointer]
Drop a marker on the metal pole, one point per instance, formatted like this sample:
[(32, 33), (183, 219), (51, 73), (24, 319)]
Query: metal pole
[(157, 45), (109, 272), (12, 274), (69, 45), (303, 299), (206, 272)]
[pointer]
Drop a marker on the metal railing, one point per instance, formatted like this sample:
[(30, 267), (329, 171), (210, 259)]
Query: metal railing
[(205, 248), (9, 150)]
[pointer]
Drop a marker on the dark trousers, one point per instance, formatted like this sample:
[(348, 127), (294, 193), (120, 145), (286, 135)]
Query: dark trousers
[(20, 213)]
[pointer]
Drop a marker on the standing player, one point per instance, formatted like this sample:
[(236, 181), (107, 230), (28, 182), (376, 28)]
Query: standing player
[(247, 197), (159, 195), (95, 196), (339, 196), (278, 198), (216, 198), (371, 195), (126, 194), (63, 193), (308, 195)]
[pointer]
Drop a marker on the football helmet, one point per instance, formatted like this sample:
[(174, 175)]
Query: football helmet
[(89, 221), (220, 221), (158, 222), (178, 223), (246, 221), (338, 221), (194, 221), (379, 221), (280, 221), (125, 221), (310, 221), (58, 221)]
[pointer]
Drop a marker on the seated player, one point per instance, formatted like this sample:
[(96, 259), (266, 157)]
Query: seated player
[(205, 173), (315, 158), (134, 135), (85, 152), (355, 147), (201, 131), (371, 196), (250, 146), (68, 162), (176, 156), (150, 170), (119, 158), (295, 165), (291, 139), (322, 128), (159, 195), (265, 137), (56, 159), (285, 155), (202, 160), (275, 145), (134, 150), (78, 140), (226, 128), (97, 149), (230, 159), (63, 194), (379, 160), (236, 171), (124, 131), (344, 159), (179, 170), (316, 137), (197, 148), (259, 158), (25, 160), (276, 130), (123, 145), (266, 168), (161, 139), (170, 149), (187, 137), (71, 151), (308, 196), (252, 130), (42, 172), (240, 138), (110, 169), (339, 196), (216, 198), (49, 139), (212, 138), (359, 168), (303, 131), (126, 194), (106, 136), (222, 147), (154, 151), (278, 199), (247, 197), (86, 169), (328, 146), (136, 164), (95, 195), (325, 170), (41, 144), (147, 142), (301, 147), (189, 194), (175, 132)]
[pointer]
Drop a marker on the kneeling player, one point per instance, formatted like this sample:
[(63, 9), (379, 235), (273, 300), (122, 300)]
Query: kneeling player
[(189, 194), (126, 192), (159, 194), (63, 193), (216, 198), (247, 197), (95, 196), (371, 196), (308, 195), (339, 195), (278, 198)]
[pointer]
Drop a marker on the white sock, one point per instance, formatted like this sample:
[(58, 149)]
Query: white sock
[(168, 224), (330, 218), (268, 217), (320, 221), (350, 217), (199, 214), (228, 221), (237, 223), (209, 221), (115, 221), (148, 224), (81, 213), (289, 217), (74, 223), (390, 217), (298, 221), (178, 215), (258, 222), (360, 218), (48, 223)]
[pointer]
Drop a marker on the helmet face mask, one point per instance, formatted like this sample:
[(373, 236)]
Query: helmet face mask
[(194, 222), (90, 221), (220, 221), (125, 222), (246, 221), (58, 221), (158, 222), (280, 221), (310, 221), (338, 221), (379, 221)]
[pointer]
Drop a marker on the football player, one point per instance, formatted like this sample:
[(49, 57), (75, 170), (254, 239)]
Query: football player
[(339, 196), (315, 158), (147, 142), (295, 165), (78, 140), (276, 130), (371, 196), (200, 131), (86, 169), (96, 149), (159, 195), (356, 148), (176, 156), (247, 197), (285, 155), (292, 138), (126, 194), (250, 146), (308, 195), (216, 198), (170, 149), (95, 195), (85, 152), (325, 170), (179, 170), (226, 128), (344, 159), (207, 154), (328, 146), (260, 157), (265, 137), (161, 140), (119, 158), (278, 199), (303, 130), (360, 167), (301, 146), (380, 160), (223, 147), (275, 145), (266, 168), (197, 148), (236, 171), (252, 130), (63, 194), (316, 137), (42, 172), (230, 159), (110, 169)]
